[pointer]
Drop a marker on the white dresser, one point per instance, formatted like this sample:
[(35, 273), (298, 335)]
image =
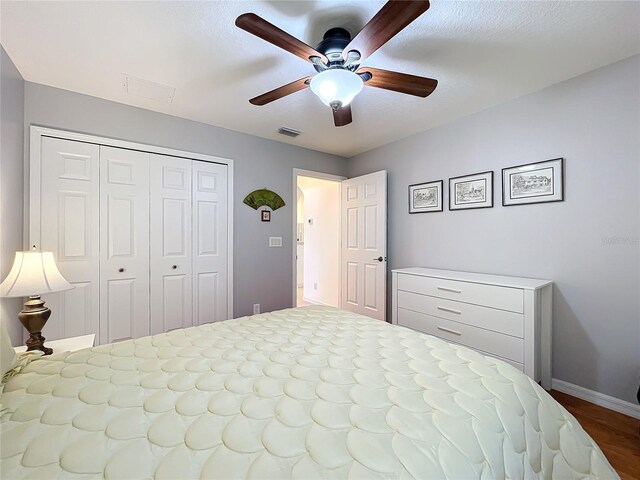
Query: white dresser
[(505, 317)]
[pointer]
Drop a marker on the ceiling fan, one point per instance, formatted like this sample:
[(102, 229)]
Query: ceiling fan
[(337, 59)]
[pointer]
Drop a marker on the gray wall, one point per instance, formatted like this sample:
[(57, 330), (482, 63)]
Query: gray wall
[(11, 174), (261, 274), (588, 244)]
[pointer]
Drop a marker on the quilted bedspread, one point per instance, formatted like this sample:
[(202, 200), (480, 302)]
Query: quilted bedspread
[(302, 393)]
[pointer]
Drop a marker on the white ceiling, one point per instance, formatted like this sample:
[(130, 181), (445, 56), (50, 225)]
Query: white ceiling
[(482, 53)]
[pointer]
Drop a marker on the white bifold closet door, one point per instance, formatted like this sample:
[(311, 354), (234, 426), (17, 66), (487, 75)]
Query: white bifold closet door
[(210, 267), (124, 244), (142, 237), (188, 243), (171, 272), (67, 220)]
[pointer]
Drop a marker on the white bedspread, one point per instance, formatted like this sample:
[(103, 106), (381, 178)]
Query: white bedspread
[(305, 393)]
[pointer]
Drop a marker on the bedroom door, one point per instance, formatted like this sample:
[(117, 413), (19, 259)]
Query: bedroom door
[(364, 245)]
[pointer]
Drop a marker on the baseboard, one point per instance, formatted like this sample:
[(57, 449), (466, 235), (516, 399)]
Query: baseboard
[(606, 401), (316, 302)]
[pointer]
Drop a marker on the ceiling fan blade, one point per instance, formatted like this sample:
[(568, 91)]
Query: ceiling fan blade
[(259, 27), (399, 82), (280, 92), (342, 116), (391, 19)]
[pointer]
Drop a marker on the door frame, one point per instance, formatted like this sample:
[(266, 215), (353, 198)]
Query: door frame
[(299, 172), (35, 163)]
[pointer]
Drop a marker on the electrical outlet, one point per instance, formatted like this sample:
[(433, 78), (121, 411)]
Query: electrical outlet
[(275, 241), (256, 308)]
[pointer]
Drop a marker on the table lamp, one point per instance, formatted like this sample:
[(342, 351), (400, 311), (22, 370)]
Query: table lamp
[(33, 274)]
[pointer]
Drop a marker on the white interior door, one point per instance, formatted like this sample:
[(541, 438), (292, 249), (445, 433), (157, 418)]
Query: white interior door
[(68, 227), (210, 275), (171, 243), (124, 244), (364, 244)]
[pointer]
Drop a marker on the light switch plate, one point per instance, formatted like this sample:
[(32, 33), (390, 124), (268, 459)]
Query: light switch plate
[(275, 241)]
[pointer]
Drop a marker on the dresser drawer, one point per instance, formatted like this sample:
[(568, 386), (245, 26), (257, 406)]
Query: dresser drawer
[(501, 321), (511, 348), (504, 298)]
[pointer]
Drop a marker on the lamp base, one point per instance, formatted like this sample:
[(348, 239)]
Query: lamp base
[(33, 317)]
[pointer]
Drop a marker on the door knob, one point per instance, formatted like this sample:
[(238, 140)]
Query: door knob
[(380, 259), (173, 267)]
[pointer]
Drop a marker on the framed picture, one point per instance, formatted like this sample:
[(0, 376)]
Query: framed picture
[(538, 182), (265, 215), (425, 197), (471, 191)]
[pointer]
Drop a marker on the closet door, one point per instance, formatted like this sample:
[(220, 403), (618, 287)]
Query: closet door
[(124, 244), (68, 227), (210, 275), (171, 243)]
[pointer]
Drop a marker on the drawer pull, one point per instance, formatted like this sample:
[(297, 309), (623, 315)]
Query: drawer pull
[(447, 289), (448, 330), (451, 310)]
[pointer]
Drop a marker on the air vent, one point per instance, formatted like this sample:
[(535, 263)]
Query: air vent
[(140, 87), (289, 132)]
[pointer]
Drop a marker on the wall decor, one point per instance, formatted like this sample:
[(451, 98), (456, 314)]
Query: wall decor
[(538, 182), (425, 197), (471, 191), (262, 198)]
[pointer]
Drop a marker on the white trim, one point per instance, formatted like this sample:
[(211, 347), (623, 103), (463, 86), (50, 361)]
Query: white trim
[(606, 401), (36, 134), (230, 238), (317, 302), (299, 172)]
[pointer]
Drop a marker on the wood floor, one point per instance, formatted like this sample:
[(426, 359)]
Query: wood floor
[(617, 435)]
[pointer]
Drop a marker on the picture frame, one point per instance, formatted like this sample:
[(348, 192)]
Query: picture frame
[(265, 215), (471, 191), (426, 197), (530, 183)]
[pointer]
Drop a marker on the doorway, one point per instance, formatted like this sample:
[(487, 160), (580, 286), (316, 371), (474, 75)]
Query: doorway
[(316, 270)]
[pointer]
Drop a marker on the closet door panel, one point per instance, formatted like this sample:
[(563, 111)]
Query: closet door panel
[(209, 242), (176, 301), (171, 243), (69, 213), (124, 248)]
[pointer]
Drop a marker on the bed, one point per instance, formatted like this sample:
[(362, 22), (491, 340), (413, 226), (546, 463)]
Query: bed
[(310, 392)]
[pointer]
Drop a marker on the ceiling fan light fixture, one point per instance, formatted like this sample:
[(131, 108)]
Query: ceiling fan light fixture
[(336, 87)]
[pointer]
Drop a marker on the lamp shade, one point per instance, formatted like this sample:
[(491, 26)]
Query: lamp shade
[(336, 87), (33, 273)]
